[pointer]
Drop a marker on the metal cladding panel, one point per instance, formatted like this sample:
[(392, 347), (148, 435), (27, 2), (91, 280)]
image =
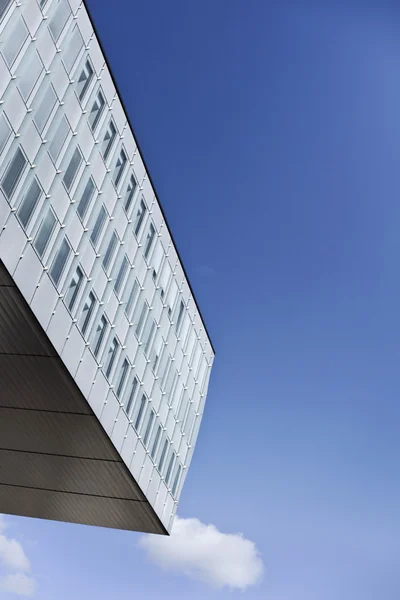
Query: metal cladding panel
[(54, 433), (66, 474), (76, 508), (18, 333), (31, 381)]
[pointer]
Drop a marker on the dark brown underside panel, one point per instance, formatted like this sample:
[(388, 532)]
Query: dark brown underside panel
[(56, 461)]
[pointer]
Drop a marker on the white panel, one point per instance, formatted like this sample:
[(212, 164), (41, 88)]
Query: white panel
[(98, 393), (59, 327), (45, 171), (153, 486), (121, 328), (168, 509), (137, 462), (86, 141), (15, 110), (45, 46), (60, 201), (100, 282), (32, 16), (28, 273), (31, 142), (84, 25), (156, 397), (163, 411), (148, 192), (145, 474), (44, 301), (120, 429), (4, 211), (119, 115), (60, 80), (73, 350), (140, 364), (160, 500), (5, 76), (129, 446), (138, 167), (132, 346), (170, 424), (148, 380), (75, 4), (109, 414), (98, 169), (129, 143), (108, 88), (96, 56), (74, 231), (86, 373), (110, 308), (88, 257), (73, 111), (12, 243)]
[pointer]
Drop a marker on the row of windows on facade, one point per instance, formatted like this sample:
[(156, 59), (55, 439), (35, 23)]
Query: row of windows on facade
[(31, 199), (137, 313)]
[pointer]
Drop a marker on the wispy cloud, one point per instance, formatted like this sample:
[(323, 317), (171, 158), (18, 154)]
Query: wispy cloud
[(18, 583), (15, 565), (204, 553)]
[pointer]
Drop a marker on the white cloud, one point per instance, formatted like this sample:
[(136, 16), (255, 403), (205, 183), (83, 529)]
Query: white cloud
[(202, 552), (12, 555), (18, 583), (16, 565)]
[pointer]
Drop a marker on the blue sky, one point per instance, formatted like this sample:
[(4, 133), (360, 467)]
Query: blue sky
[(272, 132)]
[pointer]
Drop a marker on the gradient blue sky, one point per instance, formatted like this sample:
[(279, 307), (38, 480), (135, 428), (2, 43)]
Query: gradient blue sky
[(272, 132)]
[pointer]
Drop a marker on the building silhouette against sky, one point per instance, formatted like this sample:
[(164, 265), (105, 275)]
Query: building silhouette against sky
[(104, 356)]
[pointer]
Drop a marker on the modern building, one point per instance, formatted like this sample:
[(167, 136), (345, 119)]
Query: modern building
[(104, 357)]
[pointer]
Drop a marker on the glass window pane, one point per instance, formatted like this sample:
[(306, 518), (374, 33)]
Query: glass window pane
[(108, 141), (59, 138), (87, 313), (99, 335), (13, 173), (148, 428), (139, 217), (96, 111), (112, 246), (44, 234), (4, 4), (119, 167), (176, 480), (5, 131), (73, 289), (14, 42), (139, 414), (59, 19), (170, 467), (45, 108), (59, 262), (148, 338), (121, 275), (130, 192), (111, 356), (30, 76), (133, 296), (179, 319), (98, 226), (163, 453), (131, 397), (122, 378), (29, 203), (72, 169), (149, 240), (154, 441), (73, 50), (86, 199), (141, 319), (84, 80)]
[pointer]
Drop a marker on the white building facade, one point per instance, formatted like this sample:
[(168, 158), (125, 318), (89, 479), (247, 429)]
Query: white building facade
[(85, 241)]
